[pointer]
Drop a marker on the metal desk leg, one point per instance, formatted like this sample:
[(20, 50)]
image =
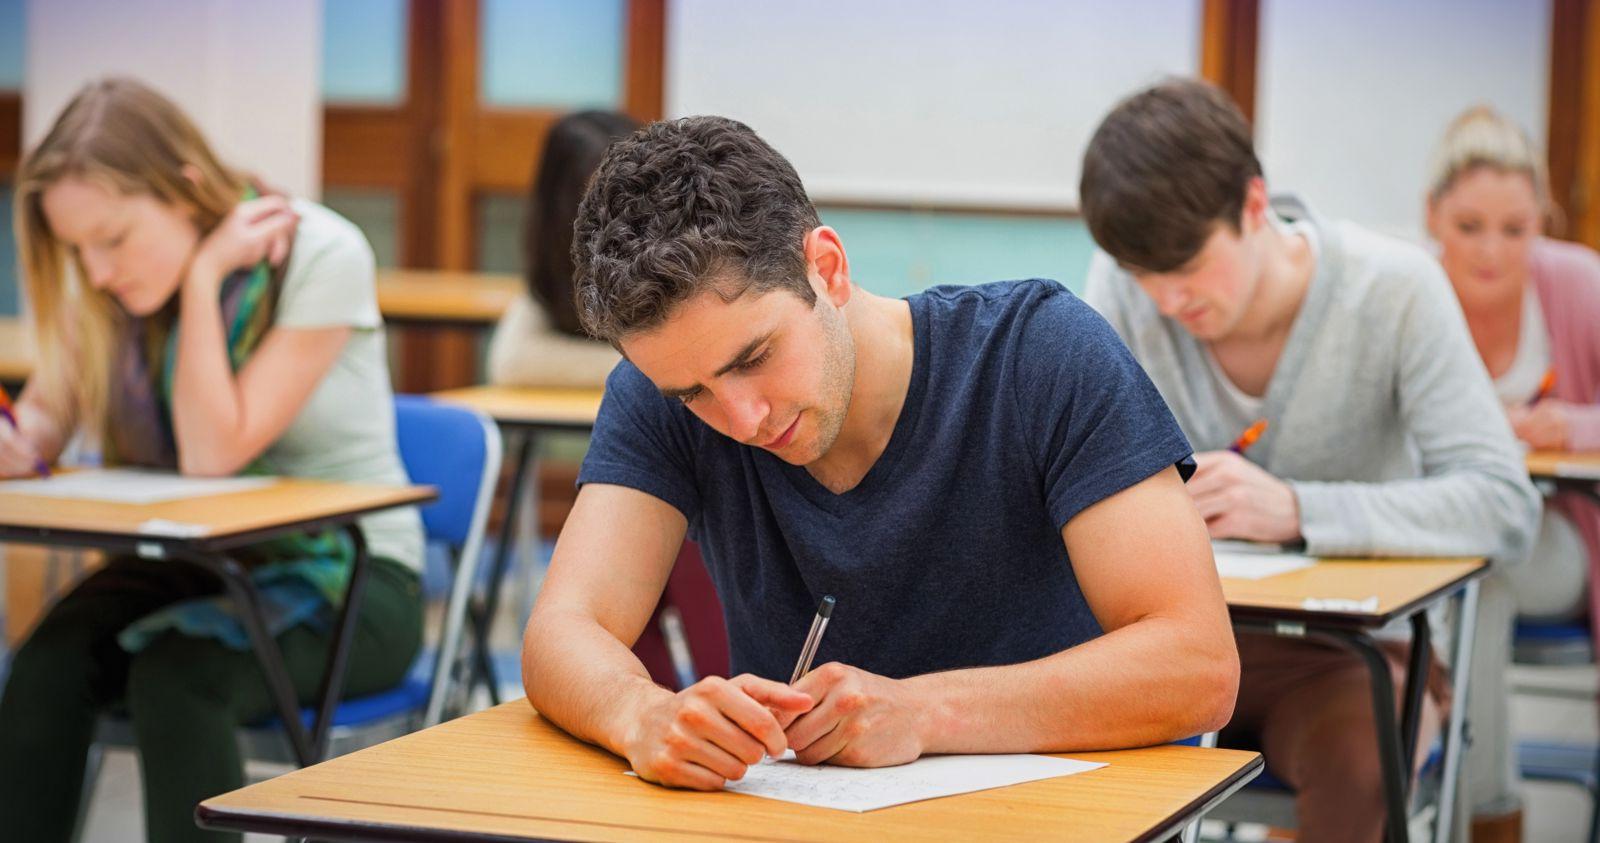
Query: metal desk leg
[(1396, 772), (483, 611), (309, 745), (1455, 726), (1416, 689)]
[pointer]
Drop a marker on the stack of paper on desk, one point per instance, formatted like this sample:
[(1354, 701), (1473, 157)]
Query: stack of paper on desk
[(1251, 561)]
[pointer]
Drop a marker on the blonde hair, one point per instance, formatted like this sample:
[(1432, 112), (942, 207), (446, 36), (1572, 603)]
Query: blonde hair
[(125, 136), (1483, 137)]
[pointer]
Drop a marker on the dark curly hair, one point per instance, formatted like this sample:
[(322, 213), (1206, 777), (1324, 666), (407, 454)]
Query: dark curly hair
[(682, 206)]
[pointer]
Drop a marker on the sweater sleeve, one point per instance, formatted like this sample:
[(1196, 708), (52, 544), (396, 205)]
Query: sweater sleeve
[(1583, 427), (1474, 496)]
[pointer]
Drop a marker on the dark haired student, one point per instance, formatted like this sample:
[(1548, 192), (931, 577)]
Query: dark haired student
[(1384, 437), (981, 476), (540, 341)]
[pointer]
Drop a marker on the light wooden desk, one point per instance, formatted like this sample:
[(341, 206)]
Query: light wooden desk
[(202, 531), (1568, 471), (432, 297), (506, 774), (522, 414), (16, 352), (1405, 589)]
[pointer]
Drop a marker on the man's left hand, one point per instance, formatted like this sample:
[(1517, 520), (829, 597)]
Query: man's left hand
[(860, 719), (1240, 500)]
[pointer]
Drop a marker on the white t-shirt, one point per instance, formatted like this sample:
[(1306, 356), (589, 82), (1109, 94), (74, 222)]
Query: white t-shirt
[(346, 430)]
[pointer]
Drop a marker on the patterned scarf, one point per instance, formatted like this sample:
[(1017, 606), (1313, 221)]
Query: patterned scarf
[(300, 577)]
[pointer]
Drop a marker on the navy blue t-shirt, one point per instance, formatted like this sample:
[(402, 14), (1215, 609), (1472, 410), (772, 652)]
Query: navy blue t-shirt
[(1024, 408)]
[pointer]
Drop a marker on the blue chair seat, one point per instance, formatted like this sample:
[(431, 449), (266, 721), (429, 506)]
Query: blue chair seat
[(1560, 762), (1564, 643), (406, 698)]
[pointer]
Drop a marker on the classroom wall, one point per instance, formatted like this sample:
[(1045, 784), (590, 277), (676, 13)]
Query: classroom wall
[(247, 72), (1353, 95)]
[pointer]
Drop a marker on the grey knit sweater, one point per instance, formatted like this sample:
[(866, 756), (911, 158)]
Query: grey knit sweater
[(1382, 417)]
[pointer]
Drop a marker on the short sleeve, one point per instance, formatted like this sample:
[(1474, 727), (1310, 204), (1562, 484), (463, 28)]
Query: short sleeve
[(332, 277), (643, 440), (1097, 423)]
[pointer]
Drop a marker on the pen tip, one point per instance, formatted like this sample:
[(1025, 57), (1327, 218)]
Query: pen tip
[(825, 608)]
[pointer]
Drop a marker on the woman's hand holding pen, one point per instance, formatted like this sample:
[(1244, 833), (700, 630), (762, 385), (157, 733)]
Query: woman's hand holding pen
[(860, 719), (709, 733), (1542, 425), (18, 456), (1240, 500)]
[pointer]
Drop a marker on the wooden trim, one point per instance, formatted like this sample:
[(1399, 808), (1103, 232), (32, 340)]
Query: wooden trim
[(459, 91), (1585, 195), (10, 132), (643, 86), (364, 146), (1567, 19), (506, 147), (423, 107), (1229, 41)]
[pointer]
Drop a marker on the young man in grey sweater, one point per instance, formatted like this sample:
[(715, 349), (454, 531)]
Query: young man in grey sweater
[(1383, 433)]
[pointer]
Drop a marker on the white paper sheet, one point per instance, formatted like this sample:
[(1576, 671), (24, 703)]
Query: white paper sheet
[(1248, 561), (853, 789), (120, 485)]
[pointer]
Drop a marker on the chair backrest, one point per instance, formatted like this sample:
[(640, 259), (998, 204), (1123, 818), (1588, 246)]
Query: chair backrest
[(447, 447), (456, 450)]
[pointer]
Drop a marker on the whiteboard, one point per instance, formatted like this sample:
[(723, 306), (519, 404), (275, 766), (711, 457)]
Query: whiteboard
[(1353, 95), (247, 73), (926, 102)]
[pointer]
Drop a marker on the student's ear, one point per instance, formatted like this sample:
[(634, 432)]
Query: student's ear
[(192, 173), (1256, 206), (827, 266), (1432, 220)]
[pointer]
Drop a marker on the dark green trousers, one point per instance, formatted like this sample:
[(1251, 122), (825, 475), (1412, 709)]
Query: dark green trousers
[(186, 696)]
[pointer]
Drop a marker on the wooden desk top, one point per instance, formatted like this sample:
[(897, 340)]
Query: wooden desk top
[(507, 774), (1401, 586), (220, 521), (428, 296), (1564, 465), (16, 351), (572, 409)]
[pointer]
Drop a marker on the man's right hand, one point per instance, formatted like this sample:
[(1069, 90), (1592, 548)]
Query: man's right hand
[(710, 732)]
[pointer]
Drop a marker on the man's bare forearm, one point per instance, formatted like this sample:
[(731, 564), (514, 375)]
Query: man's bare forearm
[(1149, 682), (577, 674)]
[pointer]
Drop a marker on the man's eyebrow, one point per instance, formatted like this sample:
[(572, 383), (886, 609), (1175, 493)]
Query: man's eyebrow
[(744, 354)]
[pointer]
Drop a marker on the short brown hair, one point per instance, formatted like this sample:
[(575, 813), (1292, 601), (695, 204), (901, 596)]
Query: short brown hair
[(1165, 167), (682, 206)]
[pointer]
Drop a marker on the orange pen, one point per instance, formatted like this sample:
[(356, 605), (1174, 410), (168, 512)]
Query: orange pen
[(1546, 384), (1248, 437), (9, 413)]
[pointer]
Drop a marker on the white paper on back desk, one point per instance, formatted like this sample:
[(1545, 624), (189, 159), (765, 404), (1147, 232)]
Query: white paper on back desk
[(856, 789), (1252, 561), (122, 485)]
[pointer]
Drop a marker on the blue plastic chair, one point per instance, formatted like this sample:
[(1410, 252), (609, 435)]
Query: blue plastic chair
[(457, 451), (1564, 643)]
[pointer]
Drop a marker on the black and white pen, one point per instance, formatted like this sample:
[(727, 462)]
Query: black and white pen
[(819, 624)]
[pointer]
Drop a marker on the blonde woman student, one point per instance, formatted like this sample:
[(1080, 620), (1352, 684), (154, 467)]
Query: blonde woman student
[(539, 341), (1533, 309), (188, 319)]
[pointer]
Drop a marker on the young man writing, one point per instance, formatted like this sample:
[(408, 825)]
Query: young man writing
[(981, 476), (1383, 435)]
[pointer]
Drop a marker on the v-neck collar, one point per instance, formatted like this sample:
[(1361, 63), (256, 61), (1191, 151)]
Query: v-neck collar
[(1286, 374), (905, 428)]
